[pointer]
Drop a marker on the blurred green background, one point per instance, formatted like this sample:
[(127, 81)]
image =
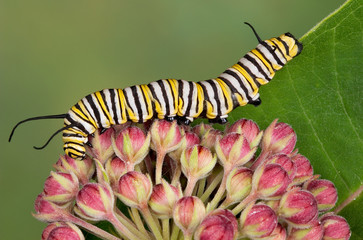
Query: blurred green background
[(52, 53)]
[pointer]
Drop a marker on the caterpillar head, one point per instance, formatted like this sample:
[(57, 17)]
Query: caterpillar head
[(75, 150)]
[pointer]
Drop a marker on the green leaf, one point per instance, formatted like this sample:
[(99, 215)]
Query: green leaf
[(320, 94)]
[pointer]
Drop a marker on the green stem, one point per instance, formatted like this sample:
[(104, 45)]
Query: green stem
[(130, 225), (201, 187), (220, 192), (242, 205), (211, 187), (91, 228), (150, 222), (176, 174), (166, 230), (159, 166), (190, 186), (175, 232), (121, 228), (138, 221)]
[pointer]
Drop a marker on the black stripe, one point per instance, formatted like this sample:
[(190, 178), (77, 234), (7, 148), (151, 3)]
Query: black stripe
[(137, 102), (285, 45), (172, 94), (235, 75), (86, 120), (99, 104), (94, 108), (72, 135), (267, 60), (216, 96), (190, 99), (144, 98), (105, 102), (113, 104), (278, 48), (268, 47), (165, 97), (233, 91), (128, 106), (77, 125), (119, 103), (249, 72), (80, 123), (255, 63)]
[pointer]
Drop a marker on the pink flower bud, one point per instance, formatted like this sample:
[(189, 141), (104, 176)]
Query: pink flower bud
[(82, 169), (61, 187), (249, 129), (285, 162), (324, 192), (188, 213), (298, 208), (201, 129), (165, 136), (314, 232), (131, 145), (238, 184), (197, 161), (278, 234), (270, 181), (47, 211), (210, 137), (95, 201), (335, 227), (218, 225), (101, 144), (68, 231), (134, 189), (163, 199), (278, 138), (257, 221), (190, 139), (50, 227), (304, 170), (234, 150), (115, 168)]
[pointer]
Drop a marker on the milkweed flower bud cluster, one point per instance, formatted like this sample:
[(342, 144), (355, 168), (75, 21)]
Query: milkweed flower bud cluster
[(164, 181)]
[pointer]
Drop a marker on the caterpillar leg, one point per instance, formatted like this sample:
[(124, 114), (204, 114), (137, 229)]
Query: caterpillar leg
[(255, 102), (218, 120), (169, 119), (183, 120)]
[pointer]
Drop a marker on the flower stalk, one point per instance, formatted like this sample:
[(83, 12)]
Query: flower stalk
[(173, 182)]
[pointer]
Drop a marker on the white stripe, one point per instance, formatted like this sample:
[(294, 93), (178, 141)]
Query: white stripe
[(108, 102), (159, 98), (259, 62), (131, 103), (104, 120), (90, 110)]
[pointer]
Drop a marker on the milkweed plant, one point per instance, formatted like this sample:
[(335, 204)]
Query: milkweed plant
[(161, 180)]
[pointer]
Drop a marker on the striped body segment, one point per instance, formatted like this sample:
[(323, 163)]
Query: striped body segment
[(180, 100)]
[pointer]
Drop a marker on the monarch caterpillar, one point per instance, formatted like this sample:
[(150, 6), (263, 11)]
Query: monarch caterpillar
[(172, 99)]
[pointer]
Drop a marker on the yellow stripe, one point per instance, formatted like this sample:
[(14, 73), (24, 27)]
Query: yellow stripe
[(79, 113), (259, 56), (103, 106), (123, 105), (145, 89), (84, 109), (174, 89), (282, 47), (200, 97), (73, 130), (247, 77), (240, 99), (227, 93)]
